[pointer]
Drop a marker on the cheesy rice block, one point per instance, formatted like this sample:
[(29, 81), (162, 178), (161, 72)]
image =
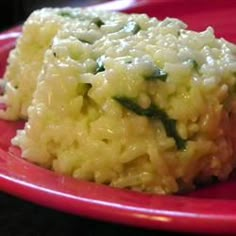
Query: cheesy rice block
[(25, 61), (126, 100)]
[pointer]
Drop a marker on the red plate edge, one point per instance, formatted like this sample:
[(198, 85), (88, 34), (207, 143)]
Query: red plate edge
[(176, 213)]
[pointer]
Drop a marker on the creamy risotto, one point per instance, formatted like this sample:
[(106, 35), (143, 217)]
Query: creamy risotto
[(124, 100)]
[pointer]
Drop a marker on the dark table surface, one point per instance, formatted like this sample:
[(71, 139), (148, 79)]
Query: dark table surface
[(19, 217)]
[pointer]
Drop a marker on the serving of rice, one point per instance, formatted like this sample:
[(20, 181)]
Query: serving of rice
[(124, 100)]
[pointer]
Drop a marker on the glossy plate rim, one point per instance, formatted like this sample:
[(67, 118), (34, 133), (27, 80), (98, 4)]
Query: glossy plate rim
[(173, 213)]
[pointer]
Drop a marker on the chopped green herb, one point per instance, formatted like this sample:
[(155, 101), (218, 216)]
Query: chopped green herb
[(128, 62), (131, 105), (66, 14), (127, 59), (171, 131), (195, 64), (155, 113), (100, 64), (158, 74), (82, 89), (132, 27), (97, 21), (84, 41)]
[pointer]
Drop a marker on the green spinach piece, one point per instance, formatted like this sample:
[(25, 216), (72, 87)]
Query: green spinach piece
[(66, 14), (195, 65), (97, 21), (132, 27), (154, 112), (84, 41), (158, 74), (100, 65)]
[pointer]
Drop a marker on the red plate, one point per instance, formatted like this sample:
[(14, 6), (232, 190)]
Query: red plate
[(209, 210)]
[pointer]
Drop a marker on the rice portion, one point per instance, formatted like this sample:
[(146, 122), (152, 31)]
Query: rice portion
[(130, 101), (25, 61)]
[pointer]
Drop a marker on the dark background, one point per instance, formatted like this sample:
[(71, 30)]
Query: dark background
[(21, 218), (16, 11)]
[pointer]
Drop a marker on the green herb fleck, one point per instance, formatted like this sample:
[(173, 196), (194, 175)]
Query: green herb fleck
[(131, 105), (66, 14), (154, 112), (100, 65), (128, 62), (84, 41), (82, 89), (195, 64), (97, 21), (132, 27), (158, 74)]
